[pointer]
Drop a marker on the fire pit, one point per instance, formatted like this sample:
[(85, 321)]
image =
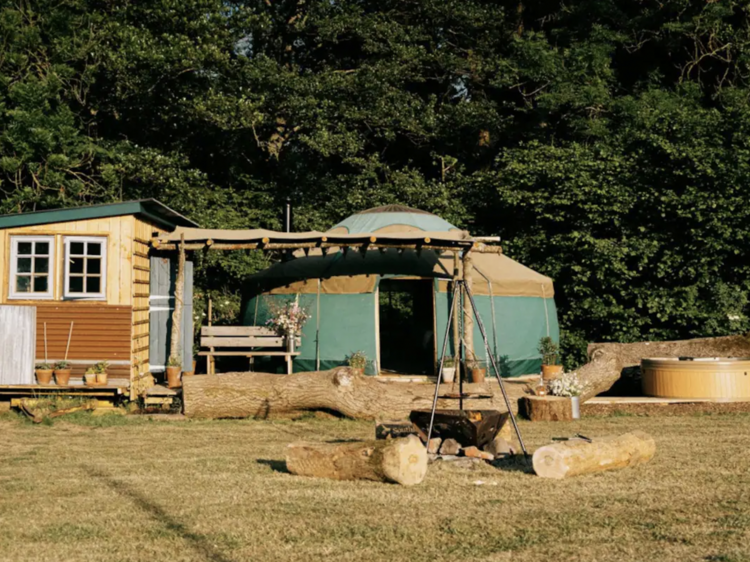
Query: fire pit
[(469, 427)]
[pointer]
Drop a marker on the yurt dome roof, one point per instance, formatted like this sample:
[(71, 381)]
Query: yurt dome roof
[(392, 218)]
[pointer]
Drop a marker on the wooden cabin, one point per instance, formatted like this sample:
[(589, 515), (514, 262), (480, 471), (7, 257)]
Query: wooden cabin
[(89, 267)]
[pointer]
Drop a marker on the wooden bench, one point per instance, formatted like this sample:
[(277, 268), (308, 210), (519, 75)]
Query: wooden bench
[(244, 341)]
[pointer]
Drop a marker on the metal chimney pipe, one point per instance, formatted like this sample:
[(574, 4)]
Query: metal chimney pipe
[(288, 215)]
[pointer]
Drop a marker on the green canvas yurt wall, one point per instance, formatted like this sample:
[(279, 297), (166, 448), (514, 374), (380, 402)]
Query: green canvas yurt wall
[(340, 291)]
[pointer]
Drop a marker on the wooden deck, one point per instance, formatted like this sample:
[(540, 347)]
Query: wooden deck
[(111, 391)]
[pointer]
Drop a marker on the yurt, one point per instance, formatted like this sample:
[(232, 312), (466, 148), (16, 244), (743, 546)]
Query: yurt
[(393, 304)]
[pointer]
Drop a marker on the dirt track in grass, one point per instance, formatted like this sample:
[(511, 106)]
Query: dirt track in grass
[(130, 489)]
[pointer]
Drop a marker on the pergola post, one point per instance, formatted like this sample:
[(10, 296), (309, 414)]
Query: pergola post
[(455, 303), (179, 295), (468, 270)]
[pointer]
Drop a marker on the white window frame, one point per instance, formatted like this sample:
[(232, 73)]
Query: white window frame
[(102, 294), (12, 293)]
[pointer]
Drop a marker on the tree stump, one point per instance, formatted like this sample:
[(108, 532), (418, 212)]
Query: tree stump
[(546, 408), (403, 461), (574, 457)]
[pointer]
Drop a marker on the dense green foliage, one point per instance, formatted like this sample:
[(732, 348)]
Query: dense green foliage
[(606, 141)]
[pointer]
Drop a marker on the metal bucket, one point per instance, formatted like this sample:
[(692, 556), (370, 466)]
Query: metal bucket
[(575, 405)]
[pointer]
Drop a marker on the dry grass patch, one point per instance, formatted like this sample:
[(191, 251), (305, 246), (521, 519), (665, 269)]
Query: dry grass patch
[(132, 489)]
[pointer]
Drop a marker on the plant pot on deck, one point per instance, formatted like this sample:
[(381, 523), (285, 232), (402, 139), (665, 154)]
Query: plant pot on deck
[(449, 374), (89, 379), (102, 378), (551, 372), (62, 377), (173, 377), (44, 376), (478, 374)]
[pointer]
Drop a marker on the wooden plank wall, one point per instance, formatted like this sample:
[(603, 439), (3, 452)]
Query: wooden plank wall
[(100, 333), (141, 378), (120, 232)]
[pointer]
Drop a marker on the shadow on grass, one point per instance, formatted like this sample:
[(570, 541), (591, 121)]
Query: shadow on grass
[(198, 542), (276, 466), (515, 463)]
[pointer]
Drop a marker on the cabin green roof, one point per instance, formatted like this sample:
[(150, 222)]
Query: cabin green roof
[(150, 209)]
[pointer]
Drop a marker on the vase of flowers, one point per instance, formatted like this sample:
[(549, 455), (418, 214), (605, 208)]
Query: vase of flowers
[(569, 385), (287, 321)]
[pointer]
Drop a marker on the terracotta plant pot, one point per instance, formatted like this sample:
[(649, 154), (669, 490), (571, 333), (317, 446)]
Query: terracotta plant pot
[(101, 378), (62, 377), (44, 376), (551, 372), (173, 377), (90, 379), (189, 373), (477, 374)]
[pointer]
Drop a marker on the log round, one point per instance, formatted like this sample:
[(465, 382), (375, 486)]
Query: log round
[(261, 395), (546, 408), (402, 461), (575, 457)]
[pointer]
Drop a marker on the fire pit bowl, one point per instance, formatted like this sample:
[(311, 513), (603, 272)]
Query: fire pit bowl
[(468, 427)]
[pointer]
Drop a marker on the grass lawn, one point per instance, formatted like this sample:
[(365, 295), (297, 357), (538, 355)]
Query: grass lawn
[(134, 489)]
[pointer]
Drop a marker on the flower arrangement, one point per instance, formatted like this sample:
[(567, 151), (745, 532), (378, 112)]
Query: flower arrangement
[(566, 385), (287, 319)]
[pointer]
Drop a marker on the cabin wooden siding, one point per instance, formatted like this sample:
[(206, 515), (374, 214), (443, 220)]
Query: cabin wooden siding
[(120, 234), (101, 332), (141, 378)]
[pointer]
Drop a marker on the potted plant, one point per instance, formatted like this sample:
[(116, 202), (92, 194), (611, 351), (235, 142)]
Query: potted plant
[(44, 373), (550, 352), (62, 373), (476, 370), (174, 368), (89, 376), (449, 369), (568, 385), (357, 361), (100, 370)]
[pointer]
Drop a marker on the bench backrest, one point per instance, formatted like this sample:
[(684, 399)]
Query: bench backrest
[(241, 336)]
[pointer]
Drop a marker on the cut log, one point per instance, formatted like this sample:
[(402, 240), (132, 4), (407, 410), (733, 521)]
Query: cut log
[(261, 395), (546, 408), (403, 461), (608, 360), (571, 458)]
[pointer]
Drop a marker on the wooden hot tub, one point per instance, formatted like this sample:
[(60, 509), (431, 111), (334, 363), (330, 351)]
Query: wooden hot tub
[(698, 377)]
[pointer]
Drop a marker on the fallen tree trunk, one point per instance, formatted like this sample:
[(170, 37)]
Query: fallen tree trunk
[(607, 360), (571, 458), (403, 461), (260, 395)]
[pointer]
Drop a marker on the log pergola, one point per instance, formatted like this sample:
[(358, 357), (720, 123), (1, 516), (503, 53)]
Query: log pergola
[(460, 243)]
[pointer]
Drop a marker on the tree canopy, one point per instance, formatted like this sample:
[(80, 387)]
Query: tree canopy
[(606, 141)]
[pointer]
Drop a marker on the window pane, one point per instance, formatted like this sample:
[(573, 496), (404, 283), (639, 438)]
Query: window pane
[(24, 265), (42, 248), (76, 248), (76, 265), (40, 284), (76, 284), (41, 265), (95, 248), (23, 284), (24, 248), (93, 284), (94, 265)]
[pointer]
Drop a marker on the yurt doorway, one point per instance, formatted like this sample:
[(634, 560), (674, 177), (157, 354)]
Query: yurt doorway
[(407, 324)]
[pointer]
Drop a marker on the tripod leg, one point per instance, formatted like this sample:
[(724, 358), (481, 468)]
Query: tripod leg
[(497, 371), (442, 360)]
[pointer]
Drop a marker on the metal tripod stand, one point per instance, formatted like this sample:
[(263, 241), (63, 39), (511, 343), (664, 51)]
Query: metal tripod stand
[(459, 290)]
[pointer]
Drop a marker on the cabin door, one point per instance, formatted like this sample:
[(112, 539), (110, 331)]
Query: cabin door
[(17, 344), (407, 324), (161, 307)]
